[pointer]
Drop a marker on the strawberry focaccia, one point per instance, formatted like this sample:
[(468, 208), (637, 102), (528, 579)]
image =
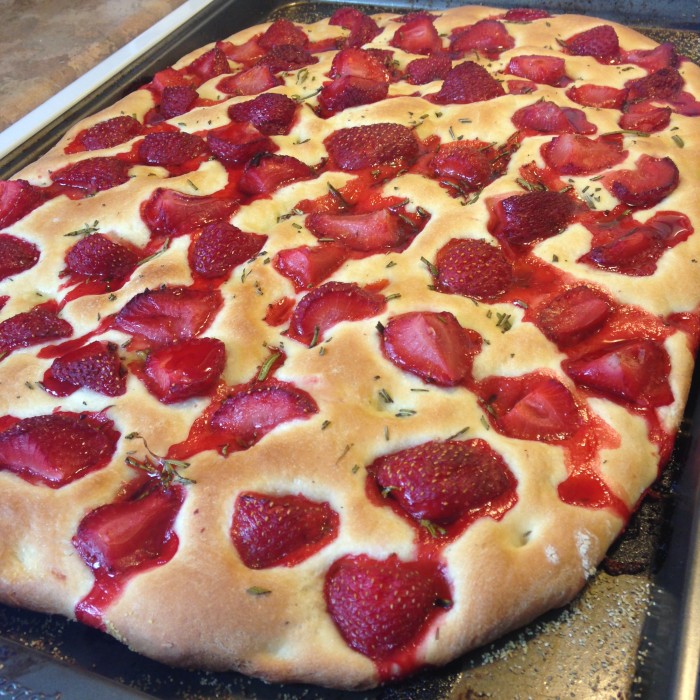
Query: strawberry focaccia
[(340, 349)]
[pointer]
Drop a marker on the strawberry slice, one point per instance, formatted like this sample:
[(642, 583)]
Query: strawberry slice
[(431, 345), (109, 133), (251, 81), (271, 530), (590, 95), (330, 304), (361, 27), (601, 42), (549, 118), (308, 266), (221, 247), (58, 448), (170, 148), (382, 143), (16, 255), (472, 268), (465, 83), (97, 255), (548, 70), (287, 58), (121, 537), (382, 606), (662, 56), (94, 366), (525, 14), (651, 181), (209, 64), (425, 70), (251, 412), (93, 174), (575, 154), (176, 100), (645, 117), (349, 91), (630, 371), (664, 84), (168, 314), (184, 369), (170, 213), (33, 327), (283, 32), (488, 37), (633, 253), (267, 172), (417, 35), (17, 199), (237, 143), (359, 63), (443, 481), (573, 315), (271, 114), (373, 232), (467, 165)]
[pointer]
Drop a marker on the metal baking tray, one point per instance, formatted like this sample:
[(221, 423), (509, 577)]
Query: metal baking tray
[(634, 632)]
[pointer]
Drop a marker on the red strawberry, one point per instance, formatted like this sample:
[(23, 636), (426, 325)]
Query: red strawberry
[(331, 303), (382, 143), (525, 14), (359, 63), (547, 70), (247, 53), (58, 448), (184, 369), (487, 36), (170, 213), (549, 118), (382, 606), (573, 154), (573, 315), (16, 255), (209, 64), (221, 247), (653, 179), (109, 133), (251, 81), (249, 413), (443, 481), (170, 148), (94, 366), (267, 172), (349, 91), (467, 82), (369, 232), (430, 345), (93, 174), (644, 117), (633, 253), (280, 530), (176, 100), (425, 70), (99, 256), (664, 84), (662, 56), (472, 268), (417, 35), (167, 314), (287, 58), (167, 78), (631, 371), (601, 42), (361, 27), (308, 266), (119, 537), (17, 199), (469, 165), (590, 95), (271, 113), (237, 143), (281, 32), (38, 325)]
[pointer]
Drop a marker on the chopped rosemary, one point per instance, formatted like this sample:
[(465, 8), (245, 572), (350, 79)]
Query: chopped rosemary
[(86, 230), (432, 528), (385, 396), (258, 590), (431, 267), (267, 366)]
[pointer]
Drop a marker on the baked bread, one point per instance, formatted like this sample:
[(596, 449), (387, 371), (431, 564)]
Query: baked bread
[(341, 349)]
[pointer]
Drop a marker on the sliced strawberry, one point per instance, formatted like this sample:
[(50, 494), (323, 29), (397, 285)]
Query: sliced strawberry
[(283, 32), (382, 143), (167, 314), (271, 113), (185, 369), (271, 530), (633, 253), (417, 35), (251, 81), (533, 407), (467, 82), (549, 118), (468, 165), (237, 143), (16, 255), (120, 537), (109, 133), (472, 268), (170, 213), (248, 414), (349, 91), (267, 172), (373, 231), (99, 256), (167, 78), (58, 448), (590, 95), (443, 481), (382, 606), (662, 56), (631, 371), (331, 303), (247, 53), (308, 266), (525, 14), (425, 70), (93, 174), (573, 315), (359, 63), (221, 247), (430, 345), (17, 199), (176, 100), (651, 181), (601, 42), (361, 27), (94, 366), (664, 84), (645, 117), (574, 154), (209, 64), (171, 148), (287, 58), (487, 36), (38, 325), (548, 70)]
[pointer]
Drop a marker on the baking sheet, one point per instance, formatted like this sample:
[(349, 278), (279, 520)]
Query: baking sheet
[(629, 635)]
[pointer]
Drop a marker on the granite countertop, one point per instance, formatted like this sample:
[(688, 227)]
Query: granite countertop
[(47, 44)]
